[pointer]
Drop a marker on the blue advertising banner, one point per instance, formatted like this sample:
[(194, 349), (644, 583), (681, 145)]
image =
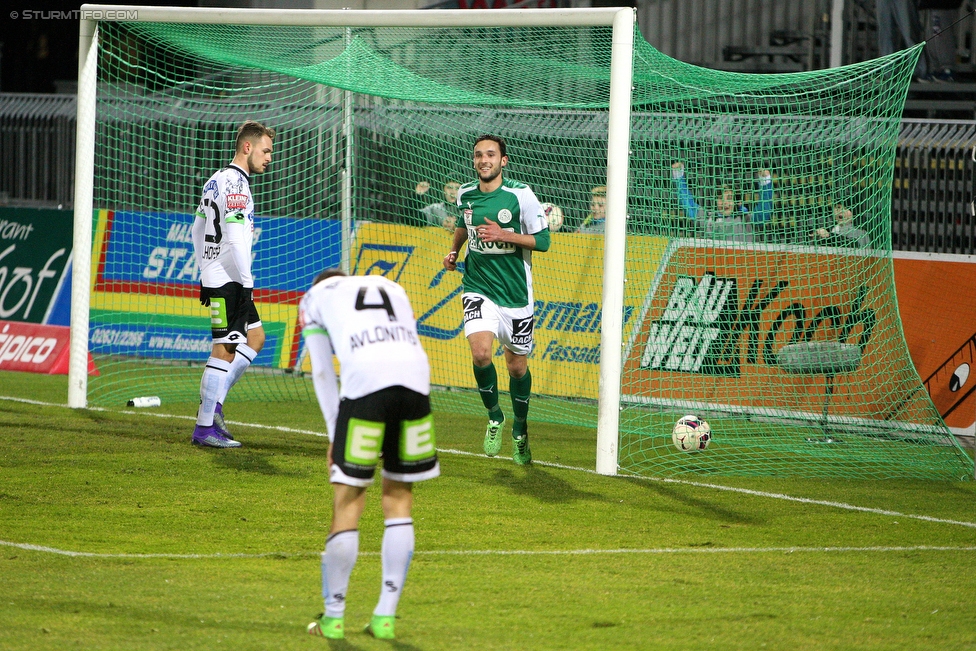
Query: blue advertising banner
[(171, 339), (158, 248)]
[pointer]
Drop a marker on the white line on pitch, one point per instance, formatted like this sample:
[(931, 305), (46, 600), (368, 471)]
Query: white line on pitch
[(513, 552), (683, 482)]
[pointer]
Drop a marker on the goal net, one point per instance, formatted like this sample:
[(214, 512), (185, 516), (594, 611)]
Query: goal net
[(756, 288)]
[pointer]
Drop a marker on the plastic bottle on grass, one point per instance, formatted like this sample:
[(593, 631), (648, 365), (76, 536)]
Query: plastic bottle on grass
[(145, 401)]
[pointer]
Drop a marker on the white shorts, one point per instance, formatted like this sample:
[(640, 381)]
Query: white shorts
[(512, 326)]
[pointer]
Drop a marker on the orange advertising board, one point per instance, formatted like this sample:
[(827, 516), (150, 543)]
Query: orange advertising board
[(717, 317), (937, 302)]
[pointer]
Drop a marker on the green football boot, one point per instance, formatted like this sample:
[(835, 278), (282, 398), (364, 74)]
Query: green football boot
[(493, 437), (522, 455), (381, 627), (330, 627)]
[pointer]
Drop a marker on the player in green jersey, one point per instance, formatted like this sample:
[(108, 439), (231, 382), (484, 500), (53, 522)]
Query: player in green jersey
[(502, 223)]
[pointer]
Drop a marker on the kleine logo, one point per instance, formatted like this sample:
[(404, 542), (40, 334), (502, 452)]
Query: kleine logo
[(236, 201)]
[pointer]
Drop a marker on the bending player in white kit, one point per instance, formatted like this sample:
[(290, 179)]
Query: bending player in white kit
[(382, 411)]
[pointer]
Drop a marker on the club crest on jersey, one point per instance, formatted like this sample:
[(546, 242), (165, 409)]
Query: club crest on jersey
[(236, 201), (468, 216), (504, 215)]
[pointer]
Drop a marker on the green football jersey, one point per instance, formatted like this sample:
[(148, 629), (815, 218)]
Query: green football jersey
[(498, 270)]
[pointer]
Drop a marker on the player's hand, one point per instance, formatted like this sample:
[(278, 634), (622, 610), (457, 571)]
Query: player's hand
[(450, 261), (204, 296), (490, 232)]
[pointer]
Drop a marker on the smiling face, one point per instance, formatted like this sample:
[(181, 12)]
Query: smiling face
[(488, 163)]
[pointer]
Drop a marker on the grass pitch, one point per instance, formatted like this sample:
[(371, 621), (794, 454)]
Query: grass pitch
[(116, 533)]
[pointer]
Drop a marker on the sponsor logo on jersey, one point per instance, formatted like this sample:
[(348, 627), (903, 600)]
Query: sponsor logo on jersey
[(522, 331), (504, 215), (236, 201), (472, 307), (468, 216), (490, 248)]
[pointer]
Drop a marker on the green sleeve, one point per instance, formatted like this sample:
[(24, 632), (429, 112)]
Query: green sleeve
[(542, 240)]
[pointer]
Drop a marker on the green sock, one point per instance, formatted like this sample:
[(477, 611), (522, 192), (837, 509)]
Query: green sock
[(519, 427), (487, 380), (520, 388)]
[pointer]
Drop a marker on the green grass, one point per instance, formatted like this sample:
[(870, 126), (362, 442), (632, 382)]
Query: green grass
[(547, 557)]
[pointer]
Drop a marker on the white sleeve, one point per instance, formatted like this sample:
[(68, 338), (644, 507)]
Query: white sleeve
[(198, 231), (532, 218), (324, 379)]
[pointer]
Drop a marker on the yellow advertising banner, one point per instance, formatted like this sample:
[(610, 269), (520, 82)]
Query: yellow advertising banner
[(568, 291)]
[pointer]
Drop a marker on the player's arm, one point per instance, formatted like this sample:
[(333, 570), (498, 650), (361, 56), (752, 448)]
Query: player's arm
[(323, 375), (535, 229), (491, 232), (198, 231), (460, 237)]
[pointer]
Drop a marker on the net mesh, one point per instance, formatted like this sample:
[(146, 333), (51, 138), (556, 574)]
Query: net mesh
[(759, 292)]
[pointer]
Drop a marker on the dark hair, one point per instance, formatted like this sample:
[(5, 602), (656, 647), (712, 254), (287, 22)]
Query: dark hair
[(250, 131), (328, 273), (496, 139)]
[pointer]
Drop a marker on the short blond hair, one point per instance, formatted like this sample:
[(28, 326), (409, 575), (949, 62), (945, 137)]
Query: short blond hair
[(251, 131), (599, 191)]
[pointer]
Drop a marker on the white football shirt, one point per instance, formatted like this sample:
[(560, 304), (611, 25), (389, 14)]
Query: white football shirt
[(223, 231), (372, 331)]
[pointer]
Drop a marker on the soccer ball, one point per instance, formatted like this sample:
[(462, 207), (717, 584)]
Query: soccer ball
[(554, 215), (691, 434)]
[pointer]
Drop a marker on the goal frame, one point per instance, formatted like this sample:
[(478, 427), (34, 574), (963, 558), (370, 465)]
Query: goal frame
[(622, 21)]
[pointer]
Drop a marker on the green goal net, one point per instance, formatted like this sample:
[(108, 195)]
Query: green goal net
[(758, 288)]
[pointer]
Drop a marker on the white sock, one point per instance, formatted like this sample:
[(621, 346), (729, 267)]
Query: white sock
[(397, 552), (214, 376), (242, 359), (338, 559)]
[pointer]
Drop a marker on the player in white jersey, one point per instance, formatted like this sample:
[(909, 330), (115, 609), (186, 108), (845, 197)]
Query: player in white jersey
[(223, 232), (382, 412)]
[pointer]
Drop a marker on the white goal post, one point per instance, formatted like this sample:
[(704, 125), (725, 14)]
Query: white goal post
[(622, 21)]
